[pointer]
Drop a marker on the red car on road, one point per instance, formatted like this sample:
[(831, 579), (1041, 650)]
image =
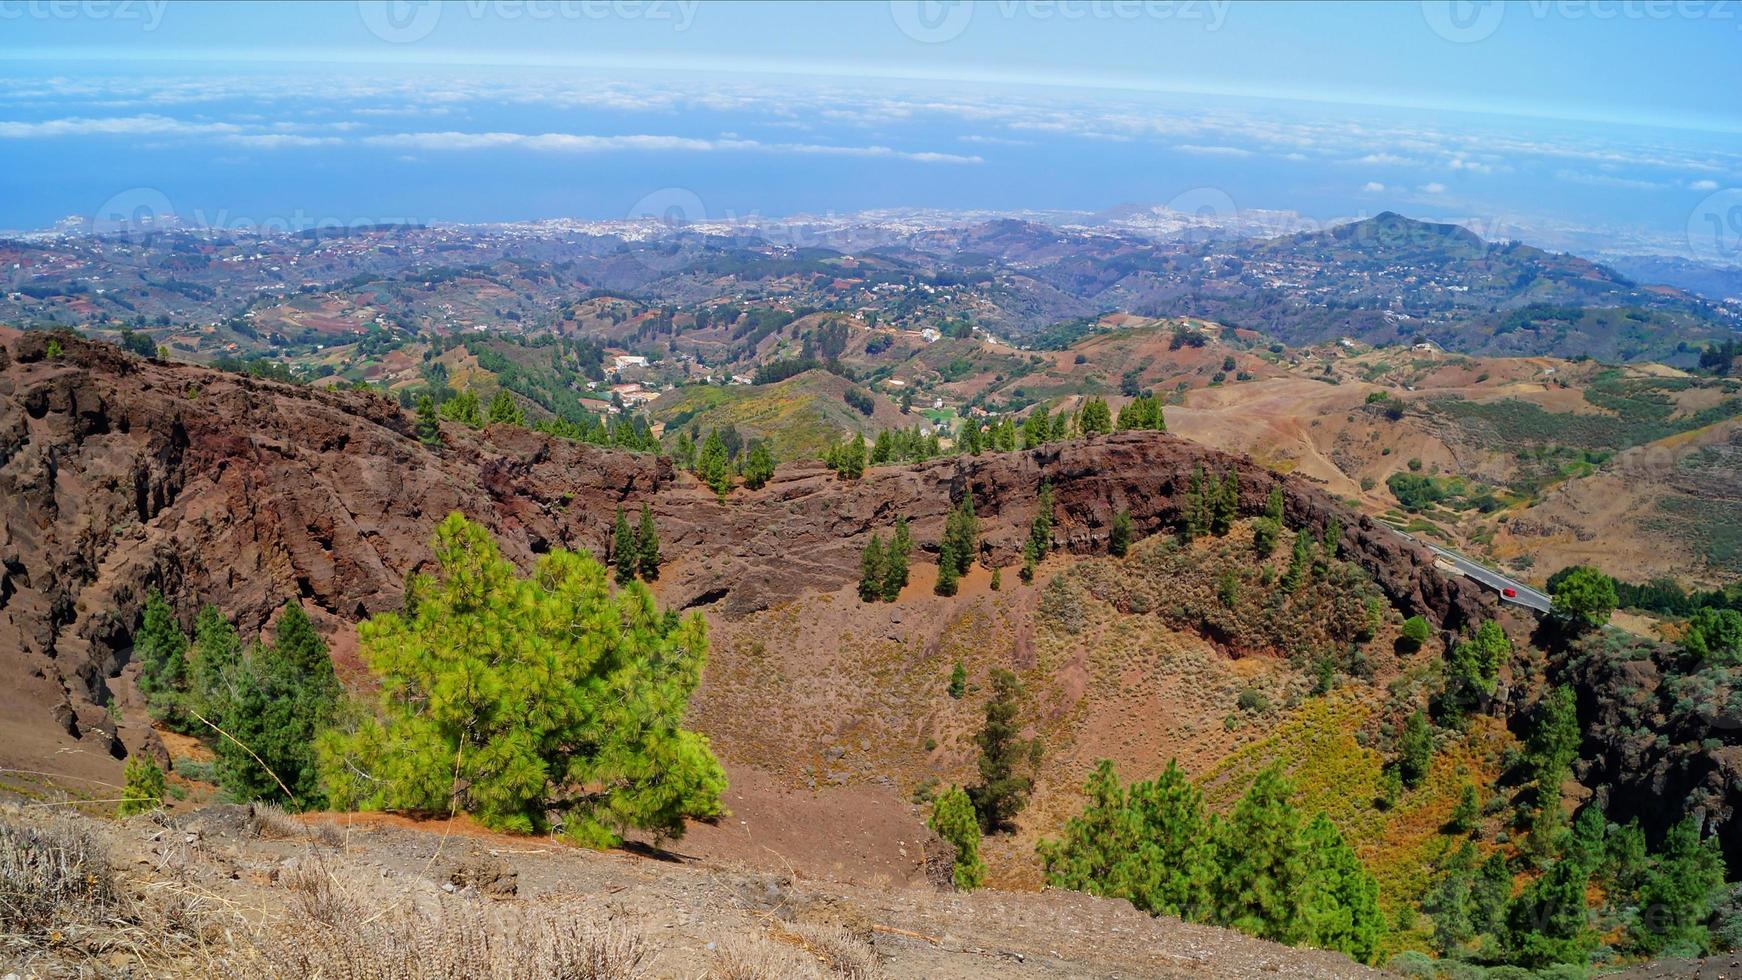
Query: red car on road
[(1509, 592)]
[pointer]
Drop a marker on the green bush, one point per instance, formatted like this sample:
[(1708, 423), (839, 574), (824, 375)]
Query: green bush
[(1416, 632)]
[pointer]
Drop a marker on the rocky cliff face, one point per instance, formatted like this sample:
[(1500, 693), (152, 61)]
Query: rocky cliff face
[(119, 474), (1662, 737)]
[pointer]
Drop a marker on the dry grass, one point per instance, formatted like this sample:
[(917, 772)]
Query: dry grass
[(752, 957), (62, 912), (329, 937), (846, 955), (50, 874), (65, 912), (315, 895), (268, 821)]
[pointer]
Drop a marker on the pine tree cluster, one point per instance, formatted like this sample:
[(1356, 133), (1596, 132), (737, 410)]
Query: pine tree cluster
[(257, 706), (1260, 869), (883, 569)]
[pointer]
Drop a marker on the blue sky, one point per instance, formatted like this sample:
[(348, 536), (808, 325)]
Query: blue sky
[(1589, 124)]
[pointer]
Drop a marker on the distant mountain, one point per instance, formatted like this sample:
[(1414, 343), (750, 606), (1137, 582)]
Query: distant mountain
[(1714, 282), (1390, 279), (1386, 279)]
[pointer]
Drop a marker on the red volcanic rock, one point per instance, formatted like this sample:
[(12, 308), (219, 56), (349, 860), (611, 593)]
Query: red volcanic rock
[(119, 474)]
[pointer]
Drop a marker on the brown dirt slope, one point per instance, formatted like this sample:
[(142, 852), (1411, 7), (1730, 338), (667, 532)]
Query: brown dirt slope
[(258, 882)]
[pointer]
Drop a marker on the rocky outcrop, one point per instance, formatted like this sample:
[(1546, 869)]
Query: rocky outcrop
[(1662, 737), (118, 475)]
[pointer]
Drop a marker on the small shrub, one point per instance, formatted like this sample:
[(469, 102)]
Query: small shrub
[(755, 958), (268, 821), (144, 789), (1062, 605), (847, 956), (1253, 701)]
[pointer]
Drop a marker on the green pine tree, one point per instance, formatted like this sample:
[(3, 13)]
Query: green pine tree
[(511, 697), (647, 545), (948, 577), (1416, 632), (1415, 750), (1549, 752), (429, 429), (504, 410), (1225, 508), (1273, 505), (1150, 845), (713, 465), (1036, 428), (758, 465), (144, 787), (961, 535), (465, 409), (969, 440), (1096, 418), (216, 654), (871, 571), (1265, 533), (1040, 530), (1339, 899), (1119, 540), (953, 819), (1678, 895), (895, 561), (1261, 867), (1467, 814), (161, 649), (1585, 598), (1548, 922), (277, 698), (1002, 791), (958, 681), (624, 554)]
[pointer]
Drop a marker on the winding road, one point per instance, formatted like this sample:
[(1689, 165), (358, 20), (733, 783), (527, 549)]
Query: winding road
[(1525, 595)]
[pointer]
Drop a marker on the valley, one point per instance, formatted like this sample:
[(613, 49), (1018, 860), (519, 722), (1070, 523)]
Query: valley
[(1196, 538)]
